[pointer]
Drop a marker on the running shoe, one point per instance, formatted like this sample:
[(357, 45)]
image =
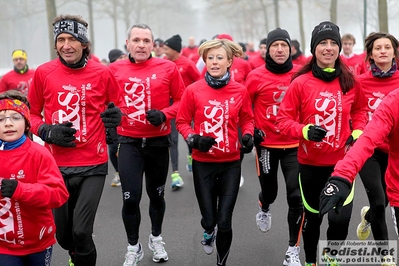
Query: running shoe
[(71, 263), (330, 260), (388, 260), (133, 255), (310, 264), (364, 227), (209, 241), (116, 182), (292, 257), (264, 220), (189, 165), (177, 181), (241, 180), (157, 247)]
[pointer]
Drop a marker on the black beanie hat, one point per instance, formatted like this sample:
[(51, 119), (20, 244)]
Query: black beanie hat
[(174, 43), (278, 35), (263, 41), (114, 54), (325, 30)]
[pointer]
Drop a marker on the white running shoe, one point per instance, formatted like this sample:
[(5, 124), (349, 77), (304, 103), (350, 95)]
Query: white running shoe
[(156, 245), (241, 181), (292, 257), (133, 255), (264, 220), (116, 182), (209, 241), (364, 228)]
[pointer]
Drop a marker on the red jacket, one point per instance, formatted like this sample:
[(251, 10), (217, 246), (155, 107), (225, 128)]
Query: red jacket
[(256, 61), (322, 103), (191, 53), (375, 89), (147, 86), (267, 90), (216, 113), (78, 96), (355, 63), (384, 126), (16, 81), (188, 70), (26, 219)]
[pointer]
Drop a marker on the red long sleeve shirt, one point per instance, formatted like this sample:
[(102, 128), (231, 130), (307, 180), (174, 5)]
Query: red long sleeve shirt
[(267, 90), (26, 219), (239, 70), (310, 100), (216, 113), (78, 96), (16, 81), (147, 86)]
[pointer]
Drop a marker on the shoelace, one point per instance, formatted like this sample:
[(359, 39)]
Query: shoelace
[(158, 246), (293, 257), (208, 239), (132, 256)]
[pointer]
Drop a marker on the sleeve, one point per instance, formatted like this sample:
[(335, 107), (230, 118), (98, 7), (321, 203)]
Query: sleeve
[(36, 100), (176, 89), (49, 191), (359, 108), (194, 73), (252, 86), (385, 120), (186, 113), (246, 117), (289, 111), (3, 84), (113, 90)]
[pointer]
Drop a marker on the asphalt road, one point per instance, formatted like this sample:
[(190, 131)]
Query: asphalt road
[(182, 231)]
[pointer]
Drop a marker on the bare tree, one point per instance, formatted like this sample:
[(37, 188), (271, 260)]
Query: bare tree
[(383, 15), (51, 14), (333, 11), (276, 11), (301, 27)]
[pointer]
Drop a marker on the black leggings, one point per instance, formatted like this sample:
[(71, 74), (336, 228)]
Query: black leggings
[(75, 219), (216, 187), (267, 164), (373, 178), (313, 180), (134, 161)]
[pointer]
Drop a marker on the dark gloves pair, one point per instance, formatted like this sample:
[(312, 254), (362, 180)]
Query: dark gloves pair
[(313, 132), (247, 143), (334, 194), (200, 143), (59, 134), (8, 187), (112, 116), (155, 117), (259, 136)]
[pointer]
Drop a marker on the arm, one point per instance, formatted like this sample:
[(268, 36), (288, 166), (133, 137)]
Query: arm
[(185, 114), (176, 88)]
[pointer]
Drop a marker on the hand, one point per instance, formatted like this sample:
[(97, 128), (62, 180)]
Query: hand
[(259, 136), (155, 117), (247, 143), (112, 116), (200, 143), (314, 132), (352, 138), (334, 194), (8, 187), (59, 134)]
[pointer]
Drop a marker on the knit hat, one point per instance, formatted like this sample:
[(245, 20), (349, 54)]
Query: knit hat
[(224, 36), (263, 41), (174, 43), (244, 48), (114, 54), (325, 30), (16, 105), (158, 42), (278, 35), (19, 53), (73, 27)]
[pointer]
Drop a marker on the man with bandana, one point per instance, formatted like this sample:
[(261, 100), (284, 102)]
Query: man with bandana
[(79, 100), (19, 78)]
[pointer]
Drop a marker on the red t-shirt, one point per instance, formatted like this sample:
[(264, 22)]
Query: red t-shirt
[(16, 81)]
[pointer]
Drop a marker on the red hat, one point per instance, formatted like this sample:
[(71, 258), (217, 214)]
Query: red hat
[(224, 36)]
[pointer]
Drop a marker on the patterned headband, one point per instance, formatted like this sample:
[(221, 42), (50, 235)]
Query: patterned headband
[(16, 105), (76, 29)]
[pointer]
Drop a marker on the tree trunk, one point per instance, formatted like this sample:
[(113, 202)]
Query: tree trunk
[(301, 27), (364, 19), (51, 14), (91, 24), (276, 16), (333, 11), (383, 15)]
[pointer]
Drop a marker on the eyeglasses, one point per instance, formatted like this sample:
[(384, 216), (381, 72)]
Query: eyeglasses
[(14, 118)]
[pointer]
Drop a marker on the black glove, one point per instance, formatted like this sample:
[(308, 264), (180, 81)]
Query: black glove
[(259, 136), (155, 117), (8, 187), (112, 116), (334, 194), (59, 134), (247, 143), (108, 137), (314, 132), (200, 143)]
